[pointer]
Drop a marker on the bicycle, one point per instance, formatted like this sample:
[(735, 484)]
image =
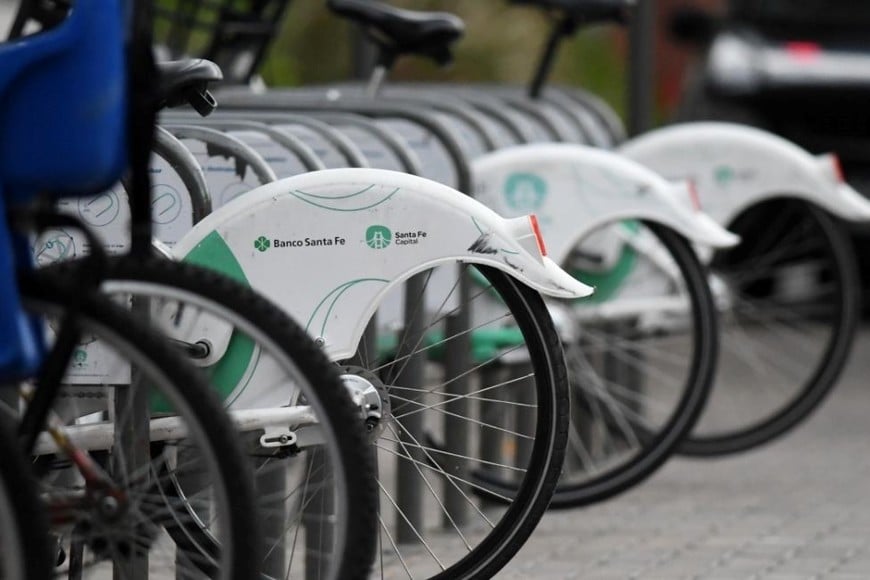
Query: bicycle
[(322, 403), (338, 341), (390, 428), (742, 177), (745, 178), (631, 441), (86, 421), (519, 241)]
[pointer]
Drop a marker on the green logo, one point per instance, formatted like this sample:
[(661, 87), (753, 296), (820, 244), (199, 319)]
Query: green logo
[(378, 237), (525, 192), (724, 175), (262, 243), (80, 357)]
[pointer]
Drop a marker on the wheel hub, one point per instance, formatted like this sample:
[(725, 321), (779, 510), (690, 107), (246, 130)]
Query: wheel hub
[(372, 397)]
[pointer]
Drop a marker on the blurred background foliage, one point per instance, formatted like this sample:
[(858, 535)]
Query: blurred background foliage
[(502, 44)]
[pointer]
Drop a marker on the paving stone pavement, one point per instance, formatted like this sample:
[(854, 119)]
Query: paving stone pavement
[(797, 509)]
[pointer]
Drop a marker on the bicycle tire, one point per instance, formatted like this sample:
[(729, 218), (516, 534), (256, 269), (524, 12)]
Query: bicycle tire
[(531, 502), (24, 526), (822, 244), (618, 469), (500, 546), (496, 537), (47, 294), (217, 294)]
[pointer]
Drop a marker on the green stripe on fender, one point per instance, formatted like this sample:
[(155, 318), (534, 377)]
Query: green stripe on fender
[(242, 354), (608, 283), (213, 253)]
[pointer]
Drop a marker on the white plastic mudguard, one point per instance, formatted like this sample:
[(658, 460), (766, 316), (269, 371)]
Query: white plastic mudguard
[(734, 167), (573, 189), (327, 246)]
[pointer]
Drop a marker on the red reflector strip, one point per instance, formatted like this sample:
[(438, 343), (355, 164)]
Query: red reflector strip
[(838, 168), (693, 195), (536, 229), (803, 51)]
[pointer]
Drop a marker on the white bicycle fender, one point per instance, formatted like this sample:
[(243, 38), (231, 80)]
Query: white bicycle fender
[(327, 246), (735, 167), (573, 189)]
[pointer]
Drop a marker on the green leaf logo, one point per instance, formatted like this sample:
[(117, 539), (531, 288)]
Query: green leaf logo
[(262, 243), (724, 175), (525, 192), (80, 357), (378, 237)]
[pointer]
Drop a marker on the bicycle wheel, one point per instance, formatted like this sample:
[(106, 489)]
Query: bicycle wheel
[(791, 303), (24, 546), (470, 366), (145, 418), (641, 353), (425, 532), (316, 488)]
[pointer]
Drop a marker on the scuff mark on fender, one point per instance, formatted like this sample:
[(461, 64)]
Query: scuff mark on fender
[(481, 245), (512, 265)]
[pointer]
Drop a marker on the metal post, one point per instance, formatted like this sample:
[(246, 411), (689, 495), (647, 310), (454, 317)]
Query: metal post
[(367, 355), (319, 517), (76, 553), (492, 418), (193, 481), (621, 368), (524, 414), (132, 446), (641, 81), (595, 431), (457, 361), (271, 484), (409, 492), (131, 457), (633, 373)]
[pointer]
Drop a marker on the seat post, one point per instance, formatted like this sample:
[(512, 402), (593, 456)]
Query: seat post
[(562, 27), (385, 61), (376, 81)]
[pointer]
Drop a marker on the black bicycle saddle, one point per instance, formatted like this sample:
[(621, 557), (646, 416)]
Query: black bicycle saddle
[(587, 11), (187, 81), (398, 31)]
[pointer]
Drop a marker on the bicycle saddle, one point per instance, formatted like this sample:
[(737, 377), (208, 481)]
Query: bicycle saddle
[(587, 11), (187, 81), (398, 31)]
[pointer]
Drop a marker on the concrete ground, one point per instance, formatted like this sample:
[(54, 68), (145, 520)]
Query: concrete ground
[(796, 509)]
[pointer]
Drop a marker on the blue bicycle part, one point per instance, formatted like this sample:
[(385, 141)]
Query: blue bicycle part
[(76, 147)]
